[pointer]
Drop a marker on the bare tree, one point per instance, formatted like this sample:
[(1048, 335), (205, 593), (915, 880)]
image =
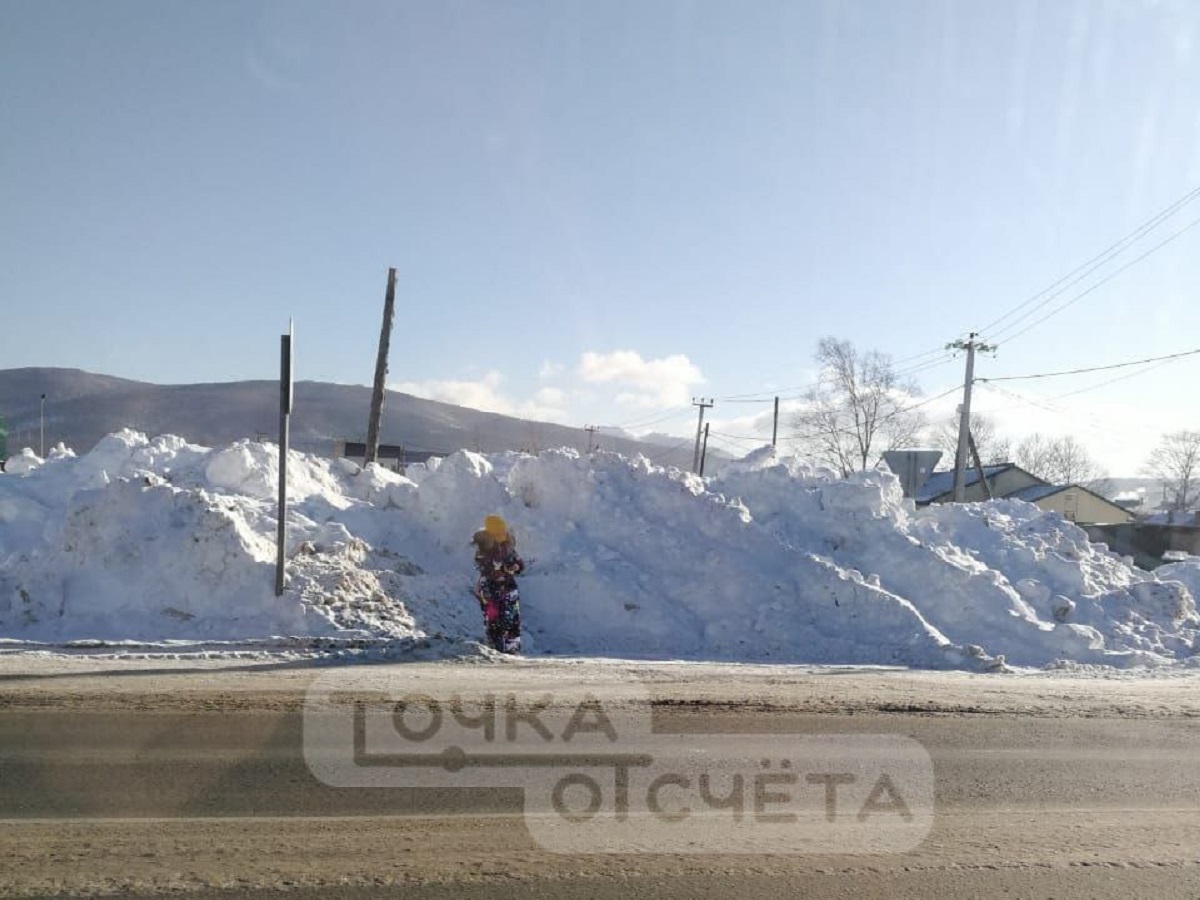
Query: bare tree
[(992, 447), (1035, 454), (1176, 461), (857, 409), (1062, 460), (1077, 466)]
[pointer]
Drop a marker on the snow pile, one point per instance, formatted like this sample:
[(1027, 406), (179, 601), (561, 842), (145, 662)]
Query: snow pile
[(773, 560)]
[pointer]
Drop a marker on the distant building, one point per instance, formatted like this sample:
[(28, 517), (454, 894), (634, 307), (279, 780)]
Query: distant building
[(1130, 499), (1010, 482), (398, 456)]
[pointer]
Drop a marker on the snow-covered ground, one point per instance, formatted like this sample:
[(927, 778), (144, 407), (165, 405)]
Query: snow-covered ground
[(775, 560)]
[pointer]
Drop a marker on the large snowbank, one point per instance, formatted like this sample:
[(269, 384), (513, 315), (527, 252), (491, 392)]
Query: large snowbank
[(773, 560)]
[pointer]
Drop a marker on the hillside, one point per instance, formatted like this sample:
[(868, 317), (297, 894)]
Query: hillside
[(81, 408)]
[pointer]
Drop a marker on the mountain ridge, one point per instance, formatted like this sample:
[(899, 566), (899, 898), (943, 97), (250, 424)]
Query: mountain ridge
[(82, 407)]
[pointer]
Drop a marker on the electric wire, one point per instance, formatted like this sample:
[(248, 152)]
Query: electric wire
[(1083, 419), (1121, 365), (1001, 338), (1104, 256), (653, 418), (798, 391)]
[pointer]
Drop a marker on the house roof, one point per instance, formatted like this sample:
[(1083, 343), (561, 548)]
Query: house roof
[(1036, 492), (940, 483)]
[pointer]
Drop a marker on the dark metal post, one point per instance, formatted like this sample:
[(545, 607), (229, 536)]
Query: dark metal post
[(285, 411), (42, 430), (775, 426)]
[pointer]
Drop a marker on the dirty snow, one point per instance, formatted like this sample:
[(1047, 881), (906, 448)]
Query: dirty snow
[(774, 560)]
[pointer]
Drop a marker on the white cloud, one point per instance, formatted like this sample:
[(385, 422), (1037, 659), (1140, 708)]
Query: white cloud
[(550, 396), (654, 382), (550, 370), (485, 394)]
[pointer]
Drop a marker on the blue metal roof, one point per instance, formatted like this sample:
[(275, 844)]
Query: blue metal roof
[(943, 482), (1035, 492)]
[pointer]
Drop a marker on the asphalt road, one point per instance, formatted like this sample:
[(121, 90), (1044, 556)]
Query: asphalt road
[(215, 797)]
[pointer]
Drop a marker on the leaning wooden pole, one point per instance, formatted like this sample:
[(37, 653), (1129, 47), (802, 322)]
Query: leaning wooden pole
[(381, 368), (979, 465)]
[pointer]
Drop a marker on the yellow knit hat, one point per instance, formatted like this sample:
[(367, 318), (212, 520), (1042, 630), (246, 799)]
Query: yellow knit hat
[(494, 525)]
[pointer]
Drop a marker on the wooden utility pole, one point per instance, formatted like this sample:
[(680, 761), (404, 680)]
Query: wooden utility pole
[(591, 430), (775, 426), (381, 368), (703, 450), (703, 404), (964, 420)]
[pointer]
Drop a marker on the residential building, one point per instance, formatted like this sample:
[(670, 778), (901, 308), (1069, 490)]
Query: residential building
[(1073, 502)]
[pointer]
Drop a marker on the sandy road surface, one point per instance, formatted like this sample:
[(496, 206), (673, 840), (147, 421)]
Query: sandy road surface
[(155, 776)]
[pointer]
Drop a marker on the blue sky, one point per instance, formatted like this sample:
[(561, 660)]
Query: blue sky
[(598, 210)]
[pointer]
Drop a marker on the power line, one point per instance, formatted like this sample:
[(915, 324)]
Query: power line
[(916, 356), (1083, 419), (769, 396), (730, 441), (1099, 259), (925, 367), (1082, 390), (1123, 365), (732, 448), (766, 396), (1109, 381), (903, 373), (751, 438), (670, 450), (654, 418), (1105, 280)]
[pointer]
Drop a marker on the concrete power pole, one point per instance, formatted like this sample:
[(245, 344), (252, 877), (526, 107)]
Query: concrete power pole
[(964, 420), (381, 368), (703, 404), (591, 431), (704, 450)]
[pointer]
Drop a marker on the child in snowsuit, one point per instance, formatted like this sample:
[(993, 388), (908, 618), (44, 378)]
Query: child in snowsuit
[(496, 588)]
